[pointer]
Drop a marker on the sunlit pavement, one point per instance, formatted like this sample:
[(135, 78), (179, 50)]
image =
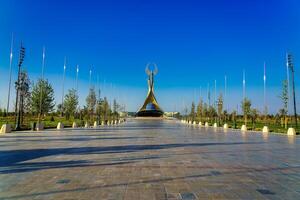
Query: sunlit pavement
[(149, 159)]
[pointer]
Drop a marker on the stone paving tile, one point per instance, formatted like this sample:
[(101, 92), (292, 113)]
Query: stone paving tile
[(145, 159)]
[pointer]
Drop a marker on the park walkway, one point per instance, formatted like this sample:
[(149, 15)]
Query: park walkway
[(149, 159)]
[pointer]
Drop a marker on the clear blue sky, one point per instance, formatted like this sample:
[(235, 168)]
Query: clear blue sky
[(192, 42)]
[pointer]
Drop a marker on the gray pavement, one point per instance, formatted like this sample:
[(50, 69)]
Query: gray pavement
[(149, 159)]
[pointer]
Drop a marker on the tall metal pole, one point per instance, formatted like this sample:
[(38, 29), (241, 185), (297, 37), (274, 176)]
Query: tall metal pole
[(225, 93), (265, 80), (76, 84), (215, 95), (244, 85), (288, 82), (63, 88), (208, 94), (291, 66), (41, 84), (200, 98), (10, 72), (244, 95), (90, 80), (17, 109)]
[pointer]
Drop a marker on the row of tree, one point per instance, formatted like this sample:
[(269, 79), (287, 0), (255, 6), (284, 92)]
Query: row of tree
[(37, 99), (217, 113)]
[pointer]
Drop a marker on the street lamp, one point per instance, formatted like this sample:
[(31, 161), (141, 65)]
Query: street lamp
[(17, 109)]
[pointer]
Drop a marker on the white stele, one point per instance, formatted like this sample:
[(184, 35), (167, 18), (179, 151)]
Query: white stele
[(102, 123), (265, 129), (60, 126), (74, 125), (86, 125), (6, 128), (200, 123), (194, 123), (95, 124), (225, 126), (206, 124), (244, 127), (291, 131), (215, 125)]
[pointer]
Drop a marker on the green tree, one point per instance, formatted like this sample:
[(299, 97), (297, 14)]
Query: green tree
[(233, 118), (24, 94), (212, 113), (200, 110), (220, 107), (91, 102), (106, 109), (254, 114), (42, 95), (115, 109), (246, 107), (70, 103), (284, 96), (192, 113), (205, 111)]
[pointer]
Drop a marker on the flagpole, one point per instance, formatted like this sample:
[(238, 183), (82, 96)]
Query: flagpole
[(215, 96), (63, 88), (41, 84), (76, 82), (244, 85), (90, 78), (225, 93), (10, 71), (265, 79)]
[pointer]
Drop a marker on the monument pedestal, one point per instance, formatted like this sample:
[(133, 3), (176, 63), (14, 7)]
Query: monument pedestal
[(291, 131), (265, 129), (225, 126), (206, 124), (244, 128), (60, 126), (74, 125), (6, 128), (95, 124)]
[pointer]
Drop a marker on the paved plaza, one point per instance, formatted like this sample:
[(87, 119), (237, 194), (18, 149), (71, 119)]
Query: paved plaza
[(149, 159)]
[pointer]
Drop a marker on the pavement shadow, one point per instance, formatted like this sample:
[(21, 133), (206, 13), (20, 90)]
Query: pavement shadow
[(12, 158)]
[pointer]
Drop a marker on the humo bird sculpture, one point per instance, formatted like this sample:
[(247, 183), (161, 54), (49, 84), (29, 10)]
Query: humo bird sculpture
[(150, 107)]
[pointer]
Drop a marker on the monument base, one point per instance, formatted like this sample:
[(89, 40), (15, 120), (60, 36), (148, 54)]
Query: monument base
[(149, 113), (6, 128)]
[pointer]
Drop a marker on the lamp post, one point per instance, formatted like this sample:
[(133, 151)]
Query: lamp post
[(18, 110), (291, 67)]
